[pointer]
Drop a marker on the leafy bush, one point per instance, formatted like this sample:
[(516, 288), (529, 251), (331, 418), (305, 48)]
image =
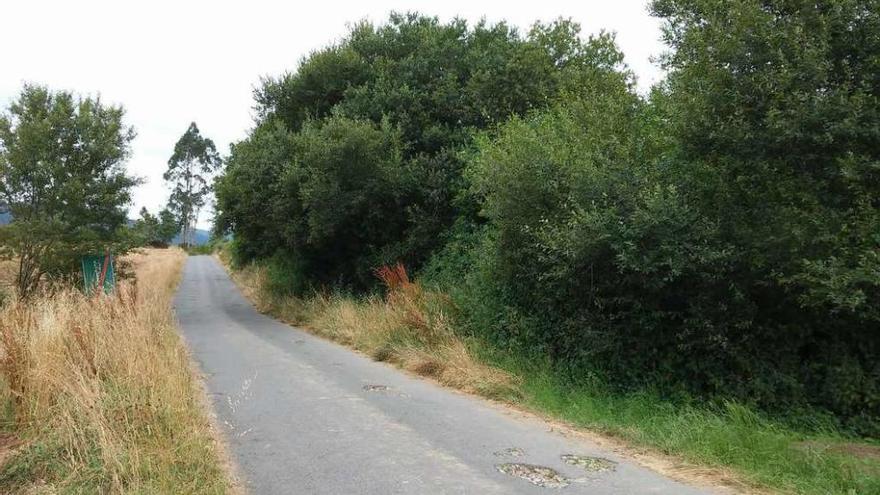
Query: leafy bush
[(336, 193), (431, 84), (250, 200), (595, 257), (720, 239), (775, 112), (352, 183), (155, 230)]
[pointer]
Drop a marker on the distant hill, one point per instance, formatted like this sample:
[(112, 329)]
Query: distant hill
[(5, 218)]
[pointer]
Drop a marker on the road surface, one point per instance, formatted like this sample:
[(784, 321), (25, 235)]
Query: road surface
[(302, 415)]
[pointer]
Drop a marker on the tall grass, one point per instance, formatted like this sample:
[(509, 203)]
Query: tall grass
[(410, 327), (729, 444), (750, 449), (99, 394)]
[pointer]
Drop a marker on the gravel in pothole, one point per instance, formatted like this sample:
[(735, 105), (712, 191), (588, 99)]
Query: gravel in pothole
[(536, 475), (375, 388), (592, 464), (511, 452)]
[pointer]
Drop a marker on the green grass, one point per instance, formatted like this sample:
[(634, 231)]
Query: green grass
[(763, 452), (200, 249)]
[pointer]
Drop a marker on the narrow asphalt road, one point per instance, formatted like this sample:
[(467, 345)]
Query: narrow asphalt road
[(305, 416)]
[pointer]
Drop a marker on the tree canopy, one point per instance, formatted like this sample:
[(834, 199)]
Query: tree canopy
[(156, 230), (62, 177), (432, 85)]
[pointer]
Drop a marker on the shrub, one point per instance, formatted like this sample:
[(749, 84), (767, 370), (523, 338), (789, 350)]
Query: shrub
[(717, 238), (709, 240)]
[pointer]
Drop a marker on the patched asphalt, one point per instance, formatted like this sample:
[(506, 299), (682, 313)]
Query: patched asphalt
[(302, 415)]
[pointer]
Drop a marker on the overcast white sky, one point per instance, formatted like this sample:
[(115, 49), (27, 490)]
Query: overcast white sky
[(173, 62)]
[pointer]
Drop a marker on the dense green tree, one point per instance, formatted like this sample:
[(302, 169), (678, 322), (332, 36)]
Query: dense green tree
[(168, 226), (251, 201), (63, 179), (780, 100), (587, 240), (775, 110), (155, 230), (318, 85), (145, 227), (437, 83), (194, 159), (351, 184), (333, 194), (720, 238)]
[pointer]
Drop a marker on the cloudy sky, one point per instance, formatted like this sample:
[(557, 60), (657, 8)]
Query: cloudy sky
[(173, 62)]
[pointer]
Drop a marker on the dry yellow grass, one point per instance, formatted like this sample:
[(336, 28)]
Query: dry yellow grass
[(7, 278), (99, 393), (410, 328)]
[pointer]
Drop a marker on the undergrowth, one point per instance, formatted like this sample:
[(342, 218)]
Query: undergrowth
[(751, 450), (411, 328)]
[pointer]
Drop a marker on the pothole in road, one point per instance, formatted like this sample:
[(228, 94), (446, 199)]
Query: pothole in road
[(592, 464), (375, 388), (511, 452), (537, 475)]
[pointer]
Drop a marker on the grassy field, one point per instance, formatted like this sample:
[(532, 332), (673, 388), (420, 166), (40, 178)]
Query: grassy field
[(729, 445), (98, 394)]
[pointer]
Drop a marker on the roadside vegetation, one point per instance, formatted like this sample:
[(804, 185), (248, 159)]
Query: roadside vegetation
[(411, 329), (64, 182), (96, 391), (98, 395), (726, 443), (694, 269)]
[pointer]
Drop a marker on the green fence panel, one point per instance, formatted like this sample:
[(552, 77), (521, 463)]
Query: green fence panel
[(92, 266)]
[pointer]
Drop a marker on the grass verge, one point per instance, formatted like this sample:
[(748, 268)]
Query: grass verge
[(410, 329), (729, 445), (98, 393), (751, 451)]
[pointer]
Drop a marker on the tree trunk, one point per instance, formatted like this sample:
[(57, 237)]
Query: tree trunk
[(28, 279)]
